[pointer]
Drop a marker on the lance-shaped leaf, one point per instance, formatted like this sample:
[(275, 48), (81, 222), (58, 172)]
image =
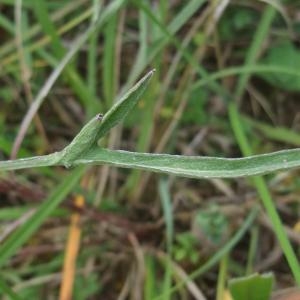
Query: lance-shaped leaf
[(195, 166), (96, 128)]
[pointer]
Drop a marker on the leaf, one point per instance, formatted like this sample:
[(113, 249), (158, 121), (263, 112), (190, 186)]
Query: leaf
[(285, 55), (7, 291), (122, 107), (211, 225), (195, 166), (184, 166), (97, 127), (88, 136), (253, 287)]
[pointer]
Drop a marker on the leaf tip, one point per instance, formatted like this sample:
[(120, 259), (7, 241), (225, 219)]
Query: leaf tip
[(149, 74)]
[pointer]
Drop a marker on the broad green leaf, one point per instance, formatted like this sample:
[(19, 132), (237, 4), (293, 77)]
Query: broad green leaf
[(253, 287), (287, 56)]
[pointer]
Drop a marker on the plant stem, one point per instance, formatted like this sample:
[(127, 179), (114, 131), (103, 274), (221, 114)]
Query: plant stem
[(30, 162)]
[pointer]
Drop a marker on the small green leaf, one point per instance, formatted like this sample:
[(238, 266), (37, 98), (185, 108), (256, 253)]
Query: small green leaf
[(287, 56), (122, 107), (212, 224), (97, 127), (253, 287)]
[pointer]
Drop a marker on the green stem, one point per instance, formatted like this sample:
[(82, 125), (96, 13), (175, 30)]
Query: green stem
[(30, 162)]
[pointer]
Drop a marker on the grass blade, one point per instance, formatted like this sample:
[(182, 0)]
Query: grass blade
[(23, 233), (168, 217), (8, 291), (259, 182)]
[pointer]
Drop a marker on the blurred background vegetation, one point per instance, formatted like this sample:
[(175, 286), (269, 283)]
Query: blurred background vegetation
[(226, 84)]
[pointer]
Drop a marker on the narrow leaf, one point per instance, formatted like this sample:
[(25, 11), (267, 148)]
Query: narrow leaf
[(122, 107), (196, 166), (97, 127), (184, 166)]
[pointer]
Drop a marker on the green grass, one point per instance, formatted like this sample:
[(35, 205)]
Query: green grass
[(74, 60)]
